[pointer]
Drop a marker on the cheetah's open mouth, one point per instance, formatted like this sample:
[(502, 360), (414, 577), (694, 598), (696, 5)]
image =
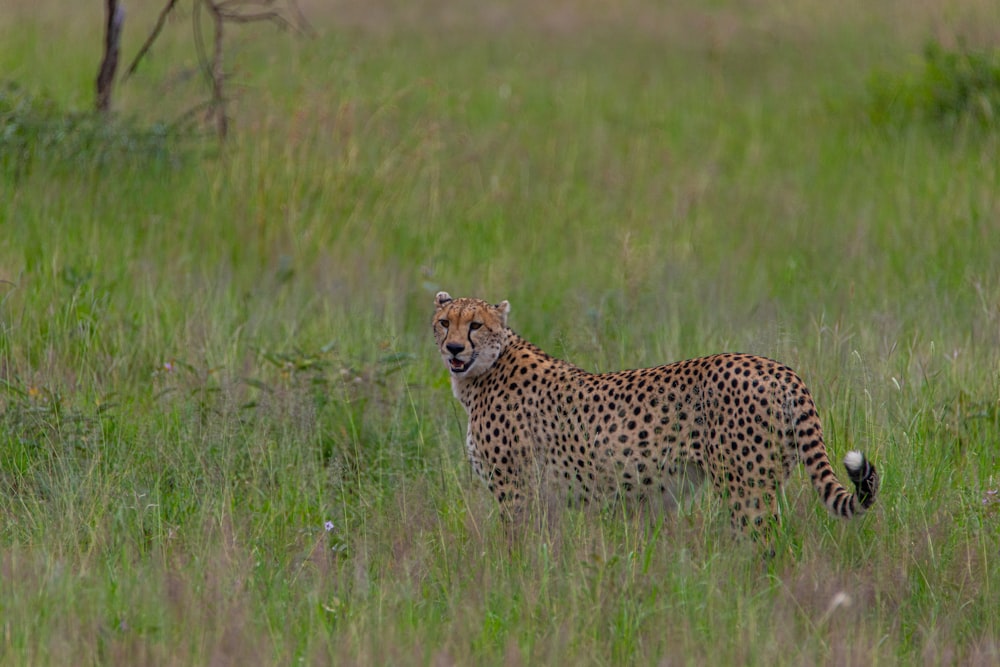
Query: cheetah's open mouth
[(458, 366)]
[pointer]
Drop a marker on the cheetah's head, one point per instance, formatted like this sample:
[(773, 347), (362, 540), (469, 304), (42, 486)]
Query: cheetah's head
[(470, 333)]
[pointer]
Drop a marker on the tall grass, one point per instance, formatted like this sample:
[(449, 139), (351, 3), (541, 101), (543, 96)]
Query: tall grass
[(226, 437)]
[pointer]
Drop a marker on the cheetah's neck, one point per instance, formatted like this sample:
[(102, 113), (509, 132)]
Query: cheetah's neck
[(517, 353)]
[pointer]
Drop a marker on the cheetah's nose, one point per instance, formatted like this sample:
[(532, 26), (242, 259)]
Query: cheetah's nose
[(454, 348)]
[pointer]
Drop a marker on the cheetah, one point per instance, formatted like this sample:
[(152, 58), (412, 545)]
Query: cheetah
[(739, 420)]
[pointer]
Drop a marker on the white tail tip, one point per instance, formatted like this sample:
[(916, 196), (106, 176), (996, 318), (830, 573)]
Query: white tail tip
[(854, 461)]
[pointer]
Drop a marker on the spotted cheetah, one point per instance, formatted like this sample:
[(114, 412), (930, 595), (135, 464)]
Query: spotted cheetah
[(740, 420)]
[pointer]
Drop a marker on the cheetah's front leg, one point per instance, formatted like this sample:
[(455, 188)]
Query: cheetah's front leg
[(506, 488)]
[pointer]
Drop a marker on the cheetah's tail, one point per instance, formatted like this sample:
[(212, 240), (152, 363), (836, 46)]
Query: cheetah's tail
[(866, 481)]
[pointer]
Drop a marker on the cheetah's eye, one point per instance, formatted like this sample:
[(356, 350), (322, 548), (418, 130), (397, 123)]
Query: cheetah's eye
[(444, 323), (474, 325)]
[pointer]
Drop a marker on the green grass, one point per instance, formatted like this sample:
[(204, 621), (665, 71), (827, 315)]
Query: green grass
[(206, 354)]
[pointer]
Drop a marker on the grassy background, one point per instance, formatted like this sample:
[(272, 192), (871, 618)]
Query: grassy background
[(206, 355)]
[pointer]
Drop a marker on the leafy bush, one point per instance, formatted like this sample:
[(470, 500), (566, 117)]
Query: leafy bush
[(950, 89), (33, 130)]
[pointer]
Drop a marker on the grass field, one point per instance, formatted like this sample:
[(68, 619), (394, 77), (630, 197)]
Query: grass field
[(227, 437)]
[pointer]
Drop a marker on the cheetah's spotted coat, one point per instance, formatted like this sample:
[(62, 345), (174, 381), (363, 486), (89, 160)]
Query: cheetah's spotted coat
[(741, 420)]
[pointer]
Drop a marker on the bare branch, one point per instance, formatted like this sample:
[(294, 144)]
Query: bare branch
[(199, 42), (218, 76), (149, 40), (284, 14), (226, 4), (300, 18), (188, 116), (112, 47), (239, 11), (273, 17)]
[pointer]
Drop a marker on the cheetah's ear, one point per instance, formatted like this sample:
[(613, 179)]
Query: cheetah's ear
[(504, 308), (442, 298)]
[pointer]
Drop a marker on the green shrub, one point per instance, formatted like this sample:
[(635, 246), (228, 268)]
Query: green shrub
[(950, 89), (34, 130)]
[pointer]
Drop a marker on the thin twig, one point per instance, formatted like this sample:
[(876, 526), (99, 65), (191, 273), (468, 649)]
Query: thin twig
[(226, 4), (300, 18), (273, 17), (186, 117), (149, 40), (238, 11), (199, 42)]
